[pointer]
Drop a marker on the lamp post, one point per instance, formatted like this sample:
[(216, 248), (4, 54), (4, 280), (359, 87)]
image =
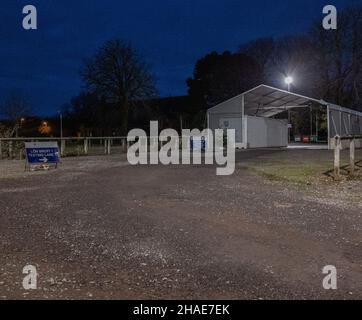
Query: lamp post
[(61, 133), (18, 125), (61, 124), (289, 80)]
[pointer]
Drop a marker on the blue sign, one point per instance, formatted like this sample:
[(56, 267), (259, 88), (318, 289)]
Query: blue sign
[(42, 152), (198, 143)]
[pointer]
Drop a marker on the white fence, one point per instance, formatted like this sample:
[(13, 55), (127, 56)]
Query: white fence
[(13, 148), (338, 146)]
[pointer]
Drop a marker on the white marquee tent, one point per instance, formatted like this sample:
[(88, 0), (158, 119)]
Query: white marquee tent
[(251, 115)]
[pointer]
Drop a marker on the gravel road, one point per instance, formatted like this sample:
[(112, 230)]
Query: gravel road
[(97, 228)]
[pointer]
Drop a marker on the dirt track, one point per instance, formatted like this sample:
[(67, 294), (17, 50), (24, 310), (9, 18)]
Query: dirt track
[(98, 228)]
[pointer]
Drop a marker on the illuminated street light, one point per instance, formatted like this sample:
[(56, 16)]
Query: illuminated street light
[(18, 125), (288, 80)]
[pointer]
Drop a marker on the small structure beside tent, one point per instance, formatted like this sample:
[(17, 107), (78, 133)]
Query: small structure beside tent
[(252, 114)]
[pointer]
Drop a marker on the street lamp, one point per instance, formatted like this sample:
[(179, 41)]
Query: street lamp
[(288, 80), (60, 124), (18, 125), (62, 144)]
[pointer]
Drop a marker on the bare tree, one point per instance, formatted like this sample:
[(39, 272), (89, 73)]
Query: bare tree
[(119, 74), (292, 56), (16, 108), (5, 132), (339, 58), (261, 50), (286, 56)]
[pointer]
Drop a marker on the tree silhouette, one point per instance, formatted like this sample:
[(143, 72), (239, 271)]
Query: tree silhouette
[(218, 77), (118, 74)]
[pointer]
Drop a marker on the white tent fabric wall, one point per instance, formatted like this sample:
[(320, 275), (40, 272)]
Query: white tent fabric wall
[(266, 132), (228, 115), (344, 122)]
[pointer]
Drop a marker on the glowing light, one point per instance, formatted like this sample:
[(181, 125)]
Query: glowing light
[(289, 80)]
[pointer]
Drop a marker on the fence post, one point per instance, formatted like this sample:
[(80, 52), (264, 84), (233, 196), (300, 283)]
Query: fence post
[(337, 157), (352, 156), (62, 147), (85, 146), (109, 147), (10, 149)]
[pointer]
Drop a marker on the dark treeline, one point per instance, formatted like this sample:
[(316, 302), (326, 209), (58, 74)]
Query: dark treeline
[(101, 118), (324, 64), (120, 93)]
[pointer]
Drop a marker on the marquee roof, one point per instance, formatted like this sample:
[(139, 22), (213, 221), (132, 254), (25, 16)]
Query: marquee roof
[(267, 101)]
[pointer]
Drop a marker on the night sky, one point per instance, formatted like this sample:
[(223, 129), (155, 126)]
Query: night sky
[(44, 64)]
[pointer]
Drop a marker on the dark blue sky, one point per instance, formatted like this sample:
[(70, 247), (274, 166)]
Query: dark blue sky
[(171, 35)]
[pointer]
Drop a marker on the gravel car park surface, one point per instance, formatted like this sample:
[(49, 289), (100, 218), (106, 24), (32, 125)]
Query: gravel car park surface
[(98, 228)]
